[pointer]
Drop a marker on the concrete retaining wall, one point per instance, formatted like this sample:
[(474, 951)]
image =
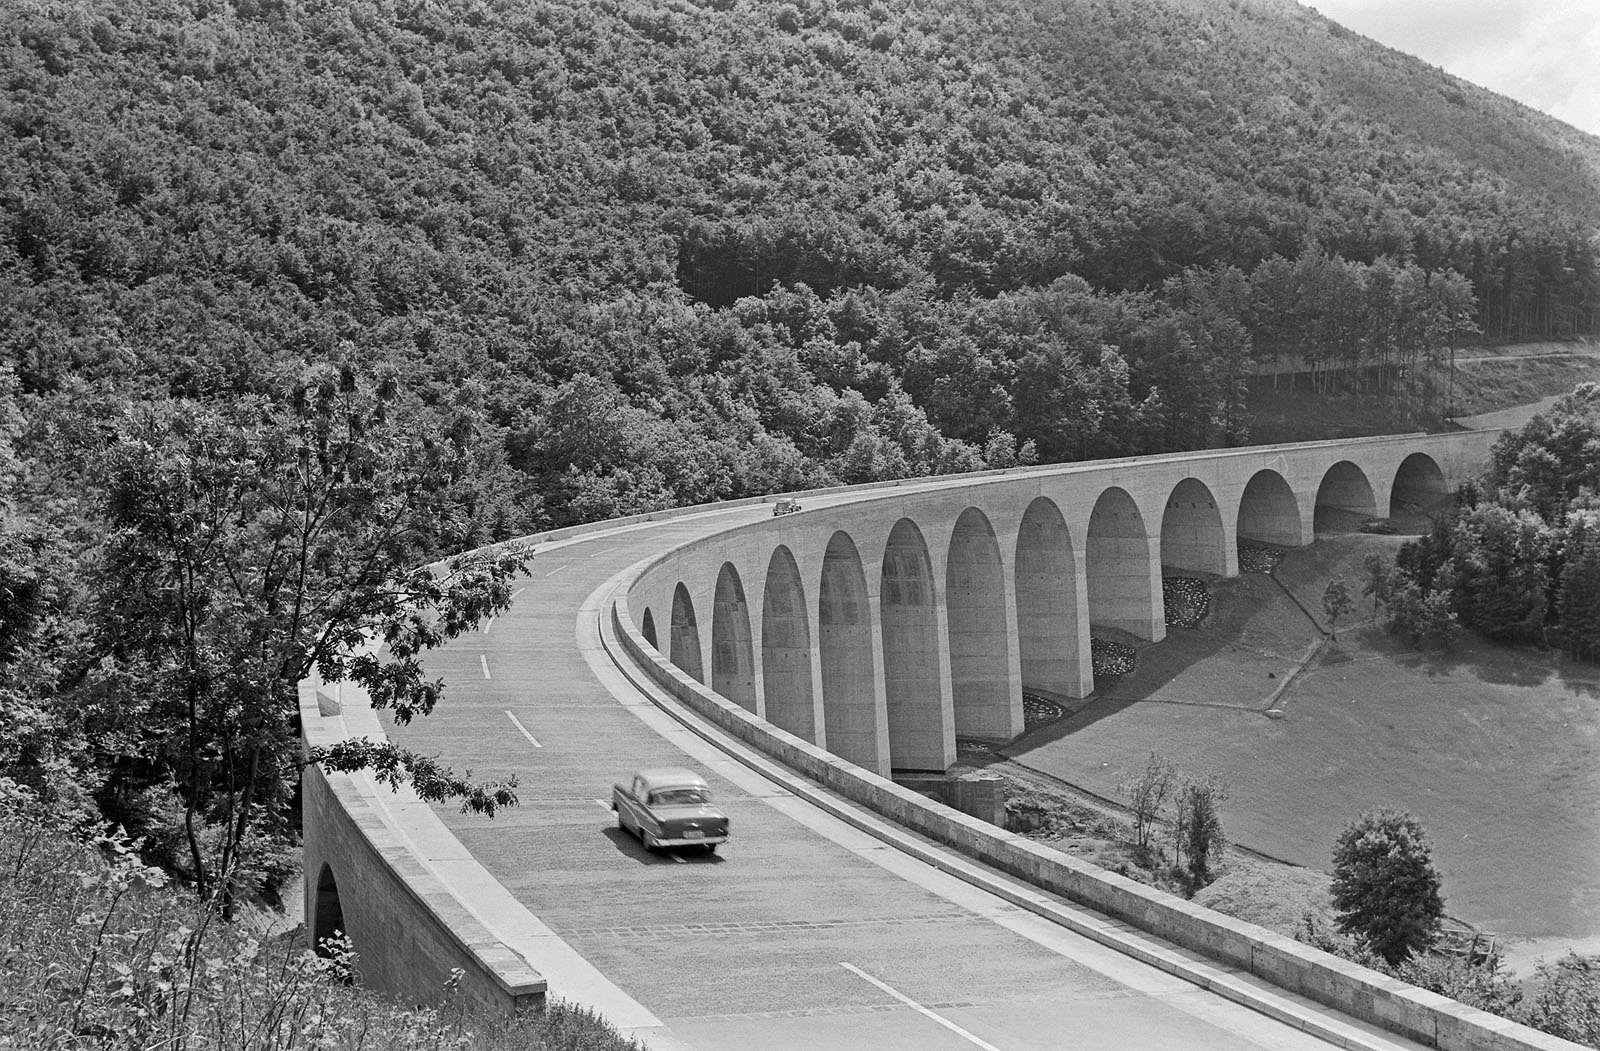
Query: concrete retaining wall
[(1357, 991)]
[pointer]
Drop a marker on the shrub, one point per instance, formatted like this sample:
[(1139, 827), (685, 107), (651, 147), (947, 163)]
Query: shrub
[(1198, 829), (1568, 1001), (1147, 793), (1385, 887), (100, 952)]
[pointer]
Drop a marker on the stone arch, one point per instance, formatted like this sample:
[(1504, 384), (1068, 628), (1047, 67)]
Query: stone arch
[(786, 649), (648, 627), (733, 672), (1048, 633), (1124, 582), (685, 640), (1344, 500), (1191, 529), (849, 668), (1268, 511), (1419, 482), (975, 596), (911, 656), (328, 920)]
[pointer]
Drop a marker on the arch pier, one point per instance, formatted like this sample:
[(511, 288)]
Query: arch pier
[(896, 618)]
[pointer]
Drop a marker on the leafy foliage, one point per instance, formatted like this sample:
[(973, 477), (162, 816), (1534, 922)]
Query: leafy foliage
[(101, 951), (1336, 602), (1385, 887), (248, 544), (1518, 557), (1147, 793), (691, 251), (1197, 829)]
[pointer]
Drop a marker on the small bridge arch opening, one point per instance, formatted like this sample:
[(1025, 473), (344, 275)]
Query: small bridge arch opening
[(1344, 500), (849, 670), (733, 673), (975, 596), (685, 642), (1419, 486), (1048, 643), (911, 654), (1122, 593), (648, 628), (1268, 511), (786, 649), (328, 922), (1191, 530)]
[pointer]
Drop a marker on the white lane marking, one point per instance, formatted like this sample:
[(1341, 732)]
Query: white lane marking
[(603, 804), (487, 625), (558, 569), (517, 592), (483, 659), (977, 1041), (518, 724), (602, 551)]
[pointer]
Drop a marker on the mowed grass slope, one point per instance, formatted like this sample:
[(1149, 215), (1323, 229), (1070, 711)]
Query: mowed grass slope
[(1494, 749)]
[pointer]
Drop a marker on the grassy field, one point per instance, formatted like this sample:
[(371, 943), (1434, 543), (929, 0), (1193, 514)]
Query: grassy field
[(1493, 749)]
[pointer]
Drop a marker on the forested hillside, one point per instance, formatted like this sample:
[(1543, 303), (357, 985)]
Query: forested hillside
[(282, 279), (677, 251)]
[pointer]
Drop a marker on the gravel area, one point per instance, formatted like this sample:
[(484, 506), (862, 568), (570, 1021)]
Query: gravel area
[(1187, 599), (1258, 558), (1110, 658)]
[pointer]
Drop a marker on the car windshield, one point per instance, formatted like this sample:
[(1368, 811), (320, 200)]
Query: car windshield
[(680, 797)]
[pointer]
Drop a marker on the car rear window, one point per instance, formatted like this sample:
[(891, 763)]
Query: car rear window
[(680, 796)]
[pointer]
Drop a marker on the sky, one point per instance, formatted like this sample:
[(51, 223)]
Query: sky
[(1544, 53)]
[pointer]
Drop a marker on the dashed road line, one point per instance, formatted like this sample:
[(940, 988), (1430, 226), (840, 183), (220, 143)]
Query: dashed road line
[(487, 625), (976, 1040), (558, 569), (517, 592), (483, 660), (518, 724)]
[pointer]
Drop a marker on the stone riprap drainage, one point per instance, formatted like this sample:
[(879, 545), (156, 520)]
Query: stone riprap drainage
[(1187, 599), (1258, 558), (1037, 711), (1110, 658)]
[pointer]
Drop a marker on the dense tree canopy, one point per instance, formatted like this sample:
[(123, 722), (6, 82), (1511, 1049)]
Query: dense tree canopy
[(594, 258), (694, 250), (1518, 555)]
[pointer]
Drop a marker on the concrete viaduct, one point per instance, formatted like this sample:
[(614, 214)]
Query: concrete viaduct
[(883, 630), (819, 652)]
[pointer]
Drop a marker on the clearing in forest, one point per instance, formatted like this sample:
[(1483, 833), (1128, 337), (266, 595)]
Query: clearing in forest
[(1495, 749)]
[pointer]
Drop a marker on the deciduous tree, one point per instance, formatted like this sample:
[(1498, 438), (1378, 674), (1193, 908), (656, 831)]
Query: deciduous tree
[(249, 544), (1385, 888)]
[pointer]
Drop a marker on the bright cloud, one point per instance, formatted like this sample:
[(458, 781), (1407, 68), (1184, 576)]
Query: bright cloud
[(1544, 54)]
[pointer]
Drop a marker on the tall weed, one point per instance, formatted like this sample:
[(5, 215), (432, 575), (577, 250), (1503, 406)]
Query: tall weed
[(98, 951)]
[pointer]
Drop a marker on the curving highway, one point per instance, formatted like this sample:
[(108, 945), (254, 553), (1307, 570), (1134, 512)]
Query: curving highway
[(806, 930)]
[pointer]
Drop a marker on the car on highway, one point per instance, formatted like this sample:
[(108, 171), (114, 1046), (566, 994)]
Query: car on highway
[(787, 505), (669, 807)]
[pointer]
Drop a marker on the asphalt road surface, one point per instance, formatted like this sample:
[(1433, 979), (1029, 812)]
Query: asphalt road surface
[(802, 932)]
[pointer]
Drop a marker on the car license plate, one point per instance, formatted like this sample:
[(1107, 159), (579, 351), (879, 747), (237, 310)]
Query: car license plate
[(693, 833)]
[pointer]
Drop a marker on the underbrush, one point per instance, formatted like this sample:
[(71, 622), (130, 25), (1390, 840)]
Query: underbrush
[(98, 951), (1562, 999), (1083, 831)]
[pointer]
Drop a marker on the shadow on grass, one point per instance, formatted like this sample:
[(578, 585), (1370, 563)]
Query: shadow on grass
[(1500, 664)]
